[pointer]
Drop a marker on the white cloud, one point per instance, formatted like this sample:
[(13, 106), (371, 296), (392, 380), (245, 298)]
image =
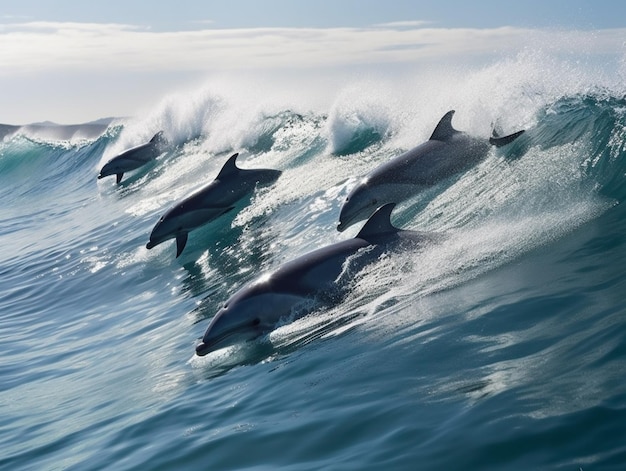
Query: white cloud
[(38, 46), (403, 24), (73, 72)]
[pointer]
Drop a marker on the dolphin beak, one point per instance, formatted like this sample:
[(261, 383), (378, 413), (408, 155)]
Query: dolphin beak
[(341, 227), (202, 349), (150, 244), (100, 176)]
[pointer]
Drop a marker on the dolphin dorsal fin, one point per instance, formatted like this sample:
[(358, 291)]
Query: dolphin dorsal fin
[(378, 223), (156, 137), (444, 129), (229, 168)]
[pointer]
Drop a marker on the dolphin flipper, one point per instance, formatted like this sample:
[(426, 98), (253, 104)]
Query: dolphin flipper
[(181, 241), (498, 141), (118, 177)]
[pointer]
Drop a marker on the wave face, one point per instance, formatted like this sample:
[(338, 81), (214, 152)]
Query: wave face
[(503, 347)]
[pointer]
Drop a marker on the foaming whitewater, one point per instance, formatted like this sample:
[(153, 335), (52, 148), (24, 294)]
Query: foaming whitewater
[(508, 331)]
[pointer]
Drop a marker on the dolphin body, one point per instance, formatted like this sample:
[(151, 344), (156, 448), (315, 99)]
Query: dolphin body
[(220, 196), (447, 153), (257, 308), (134, 158)]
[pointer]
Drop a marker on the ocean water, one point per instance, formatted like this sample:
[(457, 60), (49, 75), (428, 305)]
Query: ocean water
[(503, 347)]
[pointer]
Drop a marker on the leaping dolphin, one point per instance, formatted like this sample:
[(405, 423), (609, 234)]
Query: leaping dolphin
[(447, 152), (134, 158), (257, 308), (220, 196)]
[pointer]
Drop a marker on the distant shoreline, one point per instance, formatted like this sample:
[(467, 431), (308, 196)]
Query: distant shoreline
[(6, 129), (58, 131)]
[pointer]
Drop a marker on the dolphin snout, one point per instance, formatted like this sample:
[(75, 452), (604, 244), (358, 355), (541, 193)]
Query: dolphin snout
[(202, 349), (346, 220)]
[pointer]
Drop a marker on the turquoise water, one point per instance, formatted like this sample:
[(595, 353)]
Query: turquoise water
[(503, 347)]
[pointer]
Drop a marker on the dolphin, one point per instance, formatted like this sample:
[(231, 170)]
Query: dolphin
[(208, 203), (256, 309), (134, 158), (448, 152)]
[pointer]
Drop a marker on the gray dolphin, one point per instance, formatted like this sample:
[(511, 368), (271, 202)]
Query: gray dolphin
[(134, 158), (257, 308), (447, 152), (220, 196)]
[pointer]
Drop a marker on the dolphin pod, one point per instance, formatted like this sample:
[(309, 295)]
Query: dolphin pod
[(291, 290), (448, 152), (134, 158), (231, 185), (257, 308)]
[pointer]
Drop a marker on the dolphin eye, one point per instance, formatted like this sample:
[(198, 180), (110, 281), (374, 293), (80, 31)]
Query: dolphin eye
[(374, 202), (256, 322)]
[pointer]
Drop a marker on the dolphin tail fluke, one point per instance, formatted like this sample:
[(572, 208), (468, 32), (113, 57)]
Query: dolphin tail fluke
[(498, 141), (181, 241), (118, 177)]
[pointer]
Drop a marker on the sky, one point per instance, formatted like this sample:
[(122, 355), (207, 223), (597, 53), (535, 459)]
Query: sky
[(74, 61)]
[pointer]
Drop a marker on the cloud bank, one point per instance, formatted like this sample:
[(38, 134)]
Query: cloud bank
[(73, 72), (34, 47)]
